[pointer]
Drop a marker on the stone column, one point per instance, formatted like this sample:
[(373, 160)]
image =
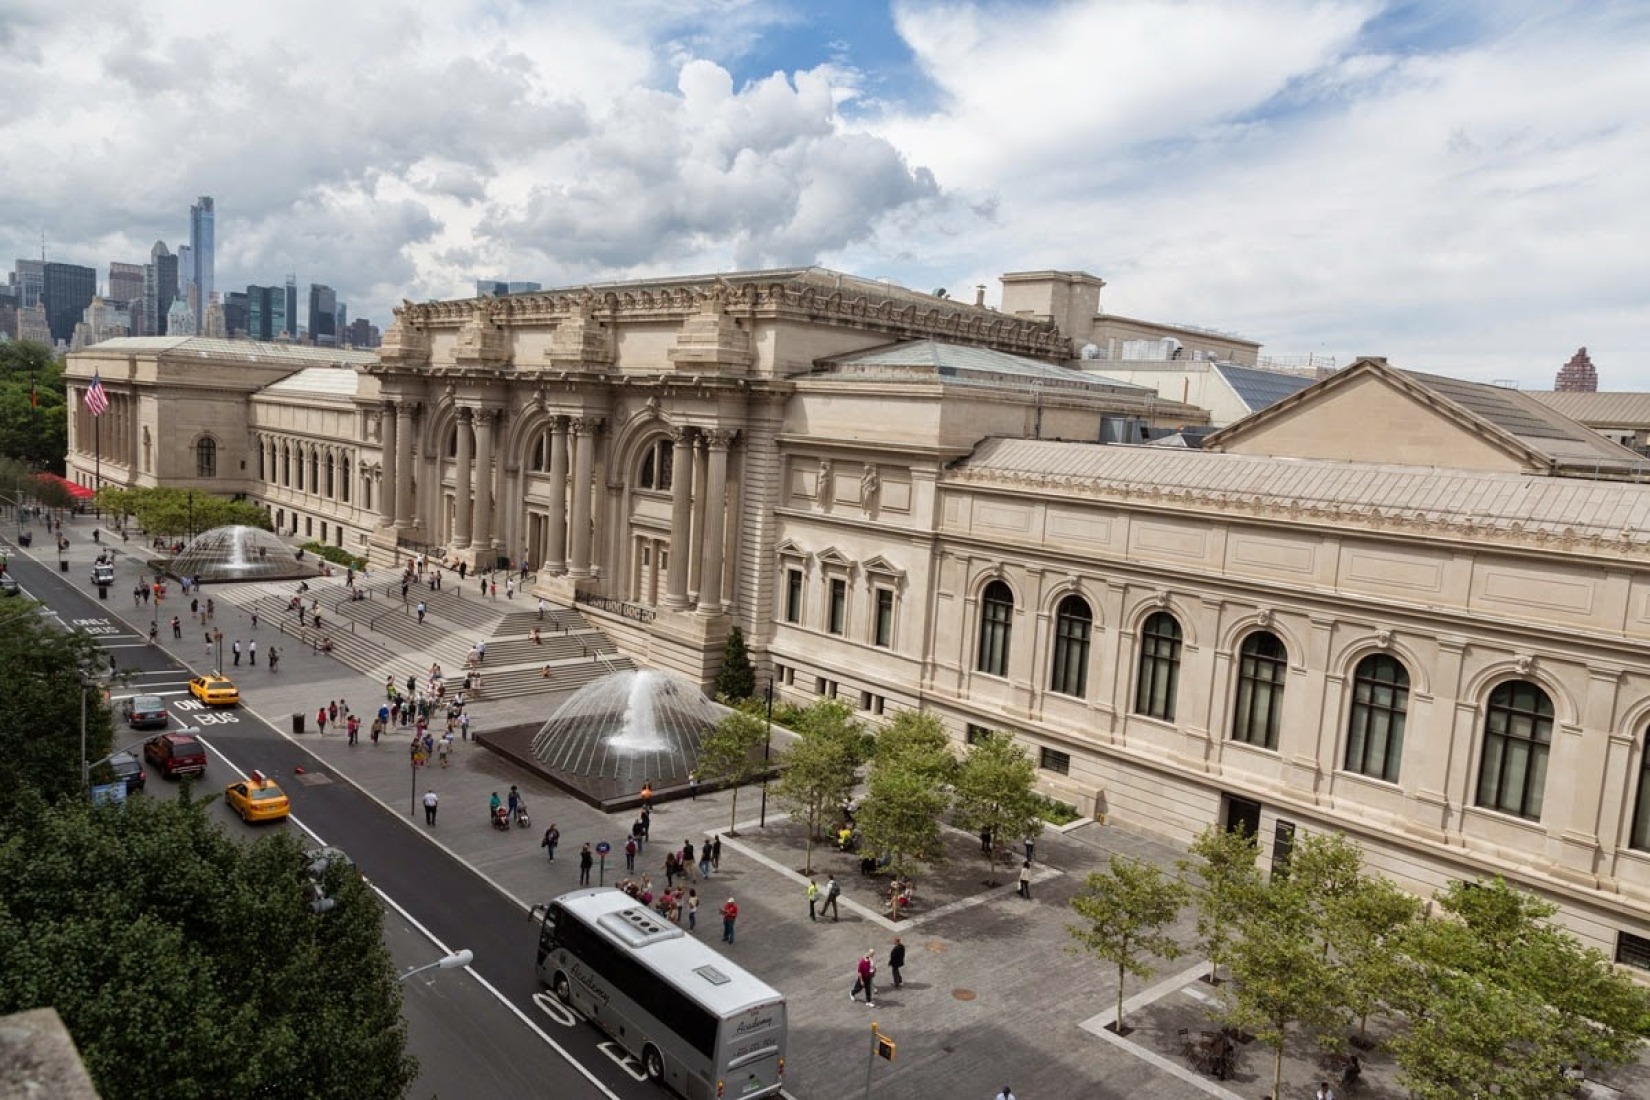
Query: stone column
[(464, 479), (716, 486), (584, 462), (681, 486), (386, 459), (693, 535), (482, 534), (556, 561), (404, 464)]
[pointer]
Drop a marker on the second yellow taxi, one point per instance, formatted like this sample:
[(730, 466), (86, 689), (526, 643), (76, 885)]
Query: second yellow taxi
[(215, 690), (256, 798)]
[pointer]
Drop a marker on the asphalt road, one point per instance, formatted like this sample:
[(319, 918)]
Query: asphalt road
[(487, 1030)]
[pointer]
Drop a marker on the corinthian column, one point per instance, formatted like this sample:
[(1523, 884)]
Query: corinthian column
[(484, 419), (465, 479), (716, 488), (681, 487), (386, 459), (557, 563), (403, 464), (584, 462)]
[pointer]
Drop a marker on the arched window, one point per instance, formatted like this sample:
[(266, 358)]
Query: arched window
[(1639, 834), (1518, 727), (1262, 663), (330, 471), (366, 491), (286, 465), (1375, 729), (343, 480), (261, 464), (206, 457), (452, 442), (541, 453), (314, 472), (658, 465), (1157, 680), (1072, 623), (996, 623)]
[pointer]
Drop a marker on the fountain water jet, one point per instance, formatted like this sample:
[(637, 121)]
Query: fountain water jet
[(239, 553), (628, 726)]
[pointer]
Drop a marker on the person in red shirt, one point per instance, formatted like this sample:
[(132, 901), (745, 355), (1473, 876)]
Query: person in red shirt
[(862, 980), (730, 913)]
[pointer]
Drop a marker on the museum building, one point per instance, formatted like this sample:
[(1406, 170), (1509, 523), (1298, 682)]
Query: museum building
[(1399, 605)]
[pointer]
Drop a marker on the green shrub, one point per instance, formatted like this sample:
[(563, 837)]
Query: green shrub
[(337, 555), (1056, 812)]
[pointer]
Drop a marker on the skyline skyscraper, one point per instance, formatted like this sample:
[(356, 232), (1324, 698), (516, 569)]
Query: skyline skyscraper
[(125, 282), (323, 315), (292, 306), (160, 288), (68, 290), (202, 249)]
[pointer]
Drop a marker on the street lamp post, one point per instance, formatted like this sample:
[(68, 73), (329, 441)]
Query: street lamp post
[(767, 746), (217, 636), (446, 962)]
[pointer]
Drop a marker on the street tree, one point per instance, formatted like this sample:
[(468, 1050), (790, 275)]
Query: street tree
[(736, 679), (164, 511), (43, 672), (33, 417), (1500, 1002), (900, 815), (1363, 928), (728, 755), (202, 972), (995, 791), (1227, 877), (1128, 909), (1328, 868), (821, 767), (1281, 979)]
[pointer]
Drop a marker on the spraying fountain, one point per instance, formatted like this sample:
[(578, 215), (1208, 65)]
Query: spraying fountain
[(628, 727), (229, 554)]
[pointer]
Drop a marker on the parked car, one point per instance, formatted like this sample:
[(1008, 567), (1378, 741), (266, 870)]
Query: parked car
[(128, 770), (215, 691), (175, 754), (145, 712), (9, 585)]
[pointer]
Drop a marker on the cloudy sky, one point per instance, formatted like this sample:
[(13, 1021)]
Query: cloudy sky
[(1460, 185)]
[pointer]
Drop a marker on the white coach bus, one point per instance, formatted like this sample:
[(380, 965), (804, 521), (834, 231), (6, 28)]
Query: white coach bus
[(698, 1023)]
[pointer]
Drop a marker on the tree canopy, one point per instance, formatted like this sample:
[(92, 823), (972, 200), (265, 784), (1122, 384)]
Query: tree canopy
[(164, 511), (822, 765), (34, 423), (1128, 909), (728, 754), (736, 679), (41, 668), (995, 789)]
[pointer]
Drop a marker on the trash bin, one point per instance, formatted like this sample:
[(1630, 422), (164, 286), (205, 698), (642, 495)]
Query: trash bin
[(63, 565), (297, 723), (102, 591)]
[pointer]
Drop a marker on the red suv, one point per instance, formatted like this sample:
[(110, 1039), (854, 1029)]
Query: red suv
[(175, 754)]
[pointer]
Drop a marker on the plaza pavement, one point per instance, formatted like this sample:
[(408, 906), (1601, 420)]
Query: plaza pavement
[(992, 993)]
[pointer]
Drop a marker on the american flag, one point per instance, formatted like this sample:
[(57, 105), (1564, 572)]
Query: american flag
[(95, 400)]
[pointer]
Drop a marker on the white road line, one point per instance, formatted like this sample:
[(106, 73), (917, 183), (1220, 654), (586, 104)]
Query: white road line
[(431, 936)]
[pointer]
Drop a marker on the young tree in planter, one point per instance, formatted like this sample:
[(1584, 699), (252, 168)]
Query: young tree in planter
[(736, 679), (1128, 907), (1224, 863), (1363, 929), (909, 791), (995, 791), (1328, 868), (1280, 976), (728, 754), (821, 766)]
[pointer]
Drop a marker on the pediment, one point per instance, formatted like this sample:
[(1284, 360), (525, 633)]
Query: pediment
[(832, 558), (882, 567)]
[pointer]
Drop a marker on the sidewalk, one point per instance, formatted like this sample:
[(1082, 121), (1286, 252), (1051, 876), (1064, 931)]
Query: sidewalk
[(992, 995)]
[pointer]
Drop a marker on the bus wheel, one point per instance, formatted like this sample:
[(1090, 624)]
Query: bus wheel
[(653, 1064), (559, 986)]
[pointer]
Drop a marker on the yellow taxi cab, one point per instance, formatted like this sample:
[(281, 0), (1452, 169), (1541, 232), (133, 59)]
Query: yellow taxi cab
[(256, 798), (215, 690)]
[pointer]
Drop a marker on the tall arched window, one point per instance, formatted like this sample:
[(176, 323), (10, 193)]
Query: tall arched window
[(1639, 833), (996, 623), (1072, 623), (540, 461), (314, 471), (1262, 664), (1518, 727), (330, 473), (206, 457), (262, 476), (1158, 678), (1375, 729), (343, 477), (658, 465), (286, 465), (366, 491)]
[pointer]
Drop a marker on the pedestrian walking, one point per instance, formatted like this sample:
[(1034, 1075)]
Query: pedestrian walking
[(1324, 1092), (446, 748), (1006, 1094), (492, 591), (421, 612), (716, 852), (704, 859), (896, 961), (541, 608), (1031, 849), (274, 659), (647, 823), (254, 620), (813, 898), (1025, 880), (177, 628), (586, 859), (464, 726), (693, 785), (235, 648), (730, 913), (552, 837), (429, 807), (692, 908), (353, 726), (832, 892), (630, 854), (332, 712), (863, 976), (321, 718), (687, 861), (509, 588)]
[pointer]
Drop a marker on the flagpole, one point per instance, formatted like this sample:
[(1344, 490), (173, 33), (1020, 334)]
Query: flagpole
[(97, 449)]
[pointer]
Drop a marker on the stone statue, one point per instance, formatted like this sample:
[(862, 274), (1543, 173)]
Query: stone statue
[(868, 486)]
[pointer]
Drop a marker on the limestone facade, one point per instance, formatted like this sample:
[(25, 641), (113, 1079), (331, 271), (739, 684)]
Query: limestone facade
[(1406, 608)]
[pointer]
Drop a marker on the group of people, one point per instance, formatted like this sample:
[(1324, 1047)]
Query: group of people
[(865, 971), (674, 903)]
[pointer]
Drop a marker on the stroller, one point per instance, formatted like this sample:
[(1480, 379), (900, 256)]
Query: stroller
[(501, 819), (522, 820)]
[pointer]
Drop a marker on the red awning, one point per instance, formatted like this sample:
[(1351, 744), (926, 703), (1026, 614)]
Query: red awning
[(79, 492)]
